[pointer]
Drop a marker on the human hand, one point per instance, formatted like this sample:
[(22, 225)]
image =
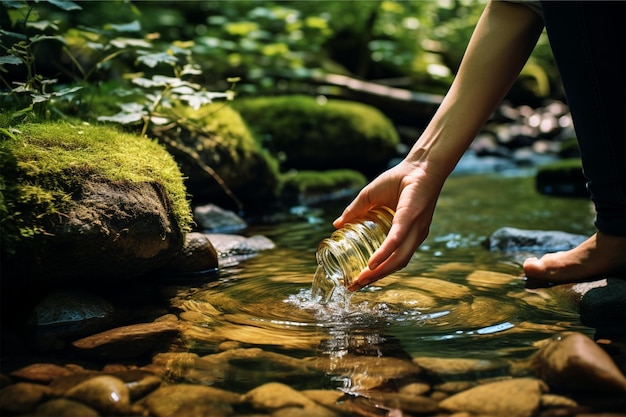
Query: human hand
[(413, 195)]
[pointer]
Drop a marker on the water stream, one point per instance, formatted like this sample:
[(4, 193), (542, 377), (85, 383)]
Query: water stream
[(455, 299)]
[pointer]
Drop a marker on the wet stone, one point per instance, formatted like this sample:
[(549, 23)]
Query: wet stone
[(573, 361), (130, 341), (275, 395), (172, 400), (460, 368), (40, 372), (106, 394), (22, 397), (512, 398), (66, 408), (139, 382)]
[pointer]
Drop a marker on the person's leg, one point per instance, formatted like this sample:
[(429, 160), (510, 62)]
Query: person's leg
[(588, 41)]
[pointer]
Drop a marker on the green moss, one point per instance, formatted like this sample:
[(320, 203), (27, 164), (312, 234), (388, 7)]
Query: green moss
[(309, 135), (562, 178), (43, 164), (303, 182)]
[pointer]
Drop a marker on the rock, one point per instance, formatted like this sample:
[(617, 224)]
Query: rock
[(215, 219), (573, 361), (104, 393), (275, 395), (197, 257), (42, 373), (66, 408), (99, 204), (179, 400), (232, 249), (130, 341), (461, 368), (604, 307), (407, 403), (22, 397), (69, 314), (510, 240), (512, 398), (139, 383)]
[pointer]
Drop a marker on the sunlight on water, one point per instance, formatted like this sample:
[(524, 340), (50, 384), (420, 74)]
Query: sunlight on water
[(454, 299)]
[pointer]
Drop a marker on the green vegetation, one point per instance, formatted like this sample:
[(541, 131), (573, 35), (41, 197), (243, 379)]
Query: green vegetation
[(42, 167), (321, 182)]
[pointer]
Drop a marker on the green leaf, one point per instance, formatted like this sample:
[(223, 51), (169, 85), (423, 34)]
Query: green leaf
[(152, 60), (42, 25), (134, 26), (10, 60), (65, 5)]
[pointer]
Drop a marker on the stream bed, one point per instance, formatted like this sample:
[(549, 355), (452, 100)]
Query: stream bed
[(455, 299)]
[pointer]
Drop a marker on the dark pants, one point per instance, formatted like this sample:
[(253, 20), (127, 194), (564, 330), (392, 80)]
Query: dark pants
[(588, 42)]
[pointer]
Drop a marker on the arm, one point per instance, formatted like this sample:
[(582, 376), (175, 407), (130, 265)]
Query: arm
[(500, 46)]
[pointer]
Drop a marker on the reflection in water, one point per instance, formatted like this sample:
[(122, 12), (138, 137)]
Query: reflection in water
[(455, 299)]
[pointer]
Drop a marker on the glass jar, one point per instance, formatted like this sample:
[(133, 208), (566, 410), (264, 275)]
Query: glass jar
[(343, 255)]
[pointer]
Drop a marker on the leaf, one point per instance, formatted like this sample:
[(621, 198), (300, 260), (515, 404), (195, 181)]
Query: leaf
[(42, 25), (152, 60), (40, 98), (134, 26), (15, 35), (122, 43), (10, 60), (65, 5), (39, 38)]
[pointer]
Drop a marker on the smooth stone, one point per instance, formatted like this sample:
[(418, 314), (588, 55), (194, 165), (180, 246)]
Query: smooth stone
[(510, 239), (139, 382), (512, 398), (276, 395), (439, 288), (106, 394), (385, 368), (490, 279), (575, 362), (553, 400), (407, 403), (415, 388), (447, 368), (313, 411), (173, 400), (66, 408), (22, 397), (43, 373), (130, 341), (197, 256), (218, 220), (407, 298)]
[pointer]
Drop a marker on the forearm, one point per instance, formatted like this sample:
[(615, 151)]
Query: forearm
[(500, 46)]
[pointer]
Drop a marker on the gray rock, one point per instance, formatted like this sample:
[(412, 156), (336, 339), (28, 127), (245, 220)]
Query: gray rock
[(511, 240), (218, 220)]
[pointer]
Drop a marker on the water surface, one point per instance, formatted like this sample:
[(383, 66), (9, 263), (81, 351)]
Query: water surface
[(455, 299)]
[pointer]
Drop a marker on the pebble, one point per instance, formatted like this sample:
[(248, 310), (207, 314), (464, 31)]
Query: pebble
[(106, 394)]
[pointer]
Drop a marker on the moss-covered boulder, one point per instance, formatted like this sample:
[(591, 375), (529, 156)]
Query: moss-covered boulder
[(220, 158), (307, 134), (87, 202), (562, 178)]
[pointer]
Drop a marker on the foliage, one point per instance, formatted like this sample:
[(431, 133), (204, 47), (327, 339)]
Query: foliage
[(89, 54), (42, 167)]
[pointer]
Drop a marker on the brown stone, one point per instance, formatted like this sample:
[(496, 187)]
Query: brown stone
[(512, 398), (66, 408), (104, 393), (574, 361), (40, 372), (130, 341), (22, 397), (181, 399)]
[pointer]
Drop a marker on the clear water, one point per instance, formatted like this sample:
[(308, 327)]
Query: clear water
[(455, 299)]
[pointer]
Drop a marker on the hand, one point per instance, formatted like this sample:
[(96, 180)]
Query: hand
[(413, 194)]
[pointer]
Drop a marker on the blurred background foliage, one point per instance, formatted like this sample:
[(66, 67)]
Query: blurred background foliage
[(272, 46)]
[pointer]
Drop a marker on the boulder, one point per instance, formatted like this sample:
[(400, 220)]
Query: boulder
[(87, 203)]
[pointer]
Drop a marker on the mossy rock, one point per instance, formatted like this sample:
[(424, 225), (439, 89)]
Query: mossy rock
[(83, 201), (563, 178), (214, 145), (306, 134), (304, 187)]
